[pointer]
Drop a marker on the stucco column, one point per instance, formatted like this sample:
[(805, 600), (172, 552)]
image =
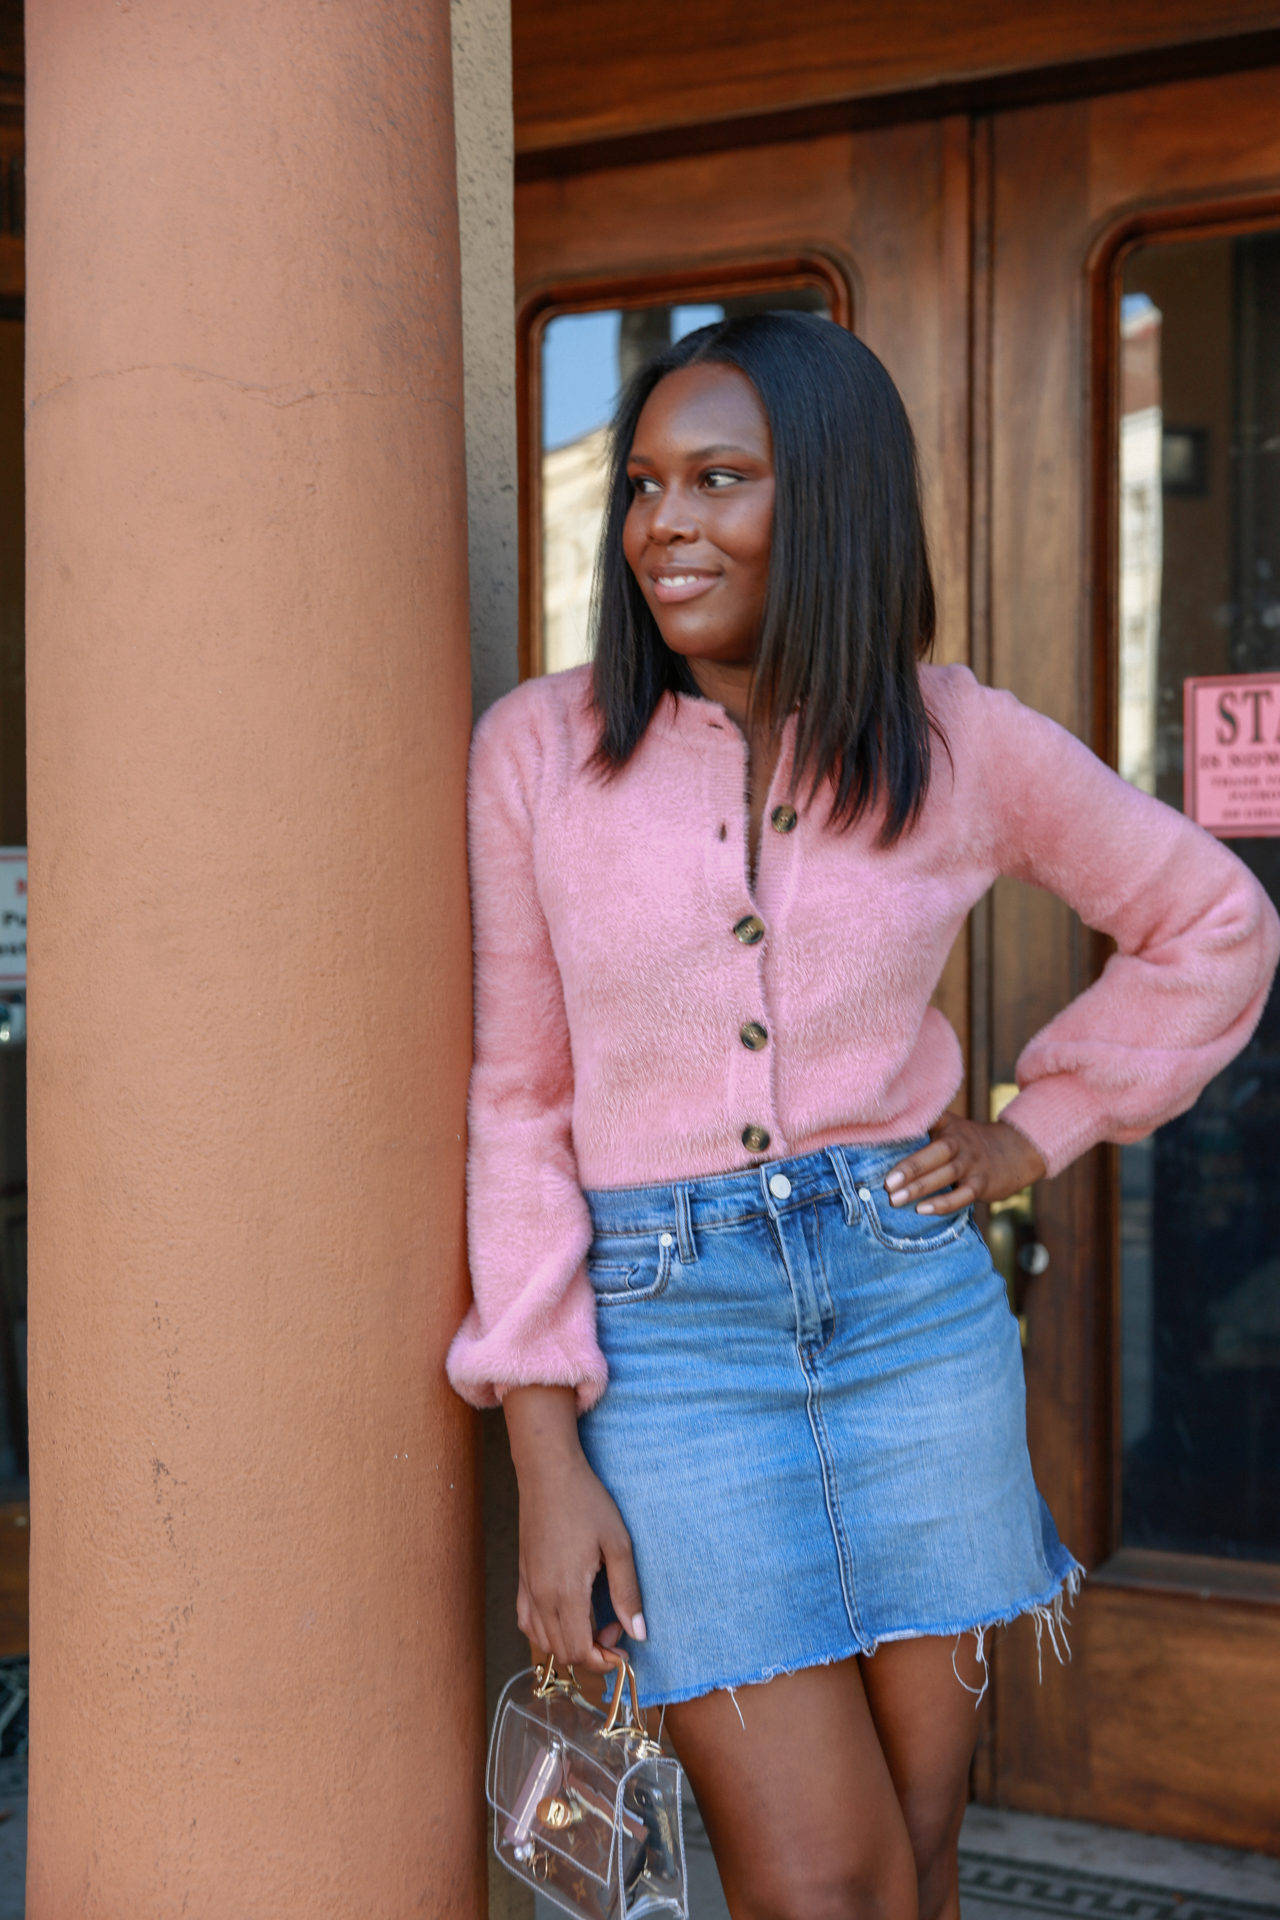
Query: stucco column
[(256, 1606)]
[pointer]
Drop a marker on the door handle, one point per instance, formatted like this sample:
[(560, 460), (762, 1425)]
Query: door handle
[(1018, 1253)]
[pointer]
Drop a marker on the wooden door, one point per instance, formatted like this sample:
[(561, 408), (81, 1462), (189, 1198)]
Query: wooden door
[(1129, 321), (979, 255)]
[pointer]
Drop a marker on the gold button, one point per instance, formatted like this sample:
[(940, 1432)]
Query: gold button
[(753, 1035), (749, 929), (784, 818), (755, 1139)]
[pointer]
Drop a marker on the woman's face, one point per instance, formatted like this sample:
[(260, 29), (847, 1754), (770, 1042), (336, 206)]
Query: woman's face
[(697, 531)]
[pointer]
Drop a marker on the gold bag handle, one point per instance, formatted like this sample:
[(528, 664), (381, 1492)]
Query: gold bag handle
[(548, 1678), (629, 1674)]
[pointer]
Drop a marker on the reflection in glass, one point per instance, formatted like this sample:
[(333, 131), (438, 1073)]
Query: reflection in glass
[(13, 970), (1199, 593), (586, 359)]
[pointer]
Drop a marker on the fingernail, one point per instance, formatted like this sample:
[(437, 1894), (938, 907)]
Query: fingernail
[(898, 1199), (926, 1206), (893, 1180), (638, 1631)]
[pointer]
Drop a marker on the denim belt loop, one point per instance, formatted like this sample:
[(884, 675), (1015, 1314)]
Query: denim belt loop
[(684, 1225), (845, 1178)]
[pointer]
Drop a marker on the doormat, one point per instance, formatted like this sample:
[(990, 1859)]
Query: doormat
[(997, 1881)]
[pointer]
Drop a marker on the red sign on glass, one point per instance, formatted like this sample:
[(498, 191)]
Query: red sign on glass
[(1231, 770)]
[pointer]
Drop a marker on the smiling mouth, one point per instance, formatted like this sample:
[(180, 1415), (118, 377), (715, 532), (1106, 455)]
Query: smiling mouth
[(681, 584)]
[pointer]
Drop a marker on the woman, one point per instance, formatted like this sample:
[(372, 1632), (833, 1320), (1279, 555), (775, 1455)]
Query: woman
[(758, 1371)]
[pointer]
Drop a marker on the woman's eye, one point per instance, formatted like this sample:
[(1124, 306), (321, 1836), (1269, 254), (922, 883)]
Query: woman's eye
[(717, 478)]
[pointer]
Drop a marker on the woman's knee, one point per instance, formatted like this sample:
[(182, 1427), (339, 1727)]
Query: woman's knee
[(797, 1799), (878, 1883)]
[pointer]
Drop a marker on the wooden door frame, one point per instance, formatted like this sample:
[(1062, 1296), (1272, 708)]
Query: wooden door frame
[(800, 74)]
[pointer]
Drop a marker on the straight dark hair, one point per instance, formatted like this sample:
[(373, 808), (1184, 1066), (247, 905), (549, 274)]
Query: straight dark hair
[(849, 607)]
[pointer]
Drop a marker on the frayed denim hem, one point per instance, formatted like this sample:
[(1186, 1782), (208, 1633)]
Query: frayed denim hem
[(1046, 1610), (748, 1679)]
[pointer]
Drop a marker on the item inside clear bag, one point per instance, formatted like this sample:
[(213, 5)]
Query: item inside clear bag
[(591, 1818), (553, 1810), (657, 1884)]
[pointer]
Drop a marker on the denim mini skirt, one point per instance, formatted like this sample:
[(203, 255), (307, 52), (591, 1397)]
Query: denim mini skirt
[(814, 1425)]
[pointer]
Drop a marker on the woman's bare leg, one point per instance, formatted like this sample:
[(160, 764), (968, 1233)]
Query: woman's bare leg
[(928, 1728), (799, 1803)]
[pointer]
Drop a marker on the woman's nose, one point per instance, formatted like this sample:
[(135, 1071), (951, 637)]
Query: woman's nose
[(673, 516)]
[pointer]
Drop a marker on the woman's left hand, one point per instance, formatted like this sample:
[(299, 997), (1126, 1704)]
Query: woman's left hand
[(975, 1159)]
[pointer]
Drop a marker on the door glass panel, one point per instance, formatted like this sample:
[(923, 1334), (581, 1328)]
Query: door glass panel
[(1199, 595), (13, 951), (586, 358)]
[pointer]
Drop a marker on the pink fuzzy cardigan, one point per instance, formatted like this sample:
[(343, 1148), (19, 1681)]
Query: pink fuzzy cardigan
[(610, 985)]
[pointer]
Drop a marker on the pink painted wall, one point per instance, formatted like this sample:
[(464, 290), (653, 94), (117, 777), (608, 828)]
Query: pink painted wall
[(256, 1674)]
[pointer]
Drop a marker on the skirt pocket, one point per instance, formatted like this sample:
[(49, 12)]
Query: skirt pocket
[(629, 1266), (904, 1230)]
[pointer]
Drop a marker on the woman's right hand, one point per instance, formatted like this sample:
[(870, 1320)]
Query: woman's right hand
[(569, 1527)]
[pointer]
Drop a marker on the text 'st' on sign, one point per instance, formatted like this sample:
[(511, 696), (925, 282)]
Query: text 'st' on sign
[(1231, 769)]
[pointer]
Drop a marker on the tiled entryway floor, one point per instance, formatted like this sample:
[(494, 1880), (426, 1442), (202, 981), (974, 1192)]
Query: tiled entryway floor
[(1021, 1863)]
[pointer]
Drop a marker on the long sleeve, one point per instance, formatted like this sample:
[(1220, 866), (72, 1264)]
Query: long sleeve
[(1197, 937), (532, 1316)]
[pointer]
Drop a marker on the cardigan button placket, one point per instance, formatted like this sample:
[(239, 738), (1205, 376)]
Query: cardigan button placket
[(749, 930)]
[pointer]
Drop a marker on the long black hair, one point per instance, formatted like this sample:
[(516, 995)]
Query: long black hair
[(849, 607)]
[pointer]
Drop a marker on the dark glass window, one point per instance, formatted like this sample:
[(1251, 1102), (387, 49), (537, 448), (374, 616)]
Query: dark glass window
[(1199, 595)]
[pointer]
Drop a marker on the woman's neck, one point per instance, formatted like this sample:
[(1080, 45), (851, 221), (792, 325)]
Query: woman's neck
[(729, 682)]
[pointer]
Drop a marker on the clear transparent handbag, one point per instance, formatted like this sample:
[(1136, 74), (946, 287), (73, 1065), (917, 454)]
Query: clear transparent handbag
[(587, 1806)]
